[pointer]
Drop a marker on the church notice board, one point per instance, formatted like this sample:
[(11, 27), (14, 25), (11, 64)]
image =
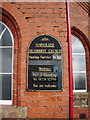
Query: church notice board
[(44, 64)]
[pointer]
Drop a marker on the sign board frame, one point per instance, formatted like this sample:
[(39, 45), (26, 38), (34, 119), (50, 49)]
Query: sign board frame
[(43, 46)]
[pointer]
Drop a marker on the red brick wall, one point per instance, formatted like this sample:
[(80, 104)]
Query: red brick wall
[(47, 18), (80, 27), (16, 23), (30, 20), (79, 18), (42, 18)]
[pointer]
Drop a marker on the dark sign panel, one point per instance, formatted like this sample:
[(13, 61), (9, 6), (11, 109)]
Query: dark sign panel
[(44, 64)]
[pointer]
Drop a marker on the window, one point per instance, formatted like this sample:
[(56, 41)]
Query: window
[(6, 63), (79, 65)]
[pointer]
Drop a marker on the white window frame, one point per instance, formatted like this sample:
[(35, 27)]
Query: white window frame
[(80, 54), (9, 102)]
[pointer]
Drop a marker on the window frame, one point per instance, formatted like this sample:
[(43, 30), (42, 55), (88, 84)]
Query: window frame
[(8, 102), (85, 71)]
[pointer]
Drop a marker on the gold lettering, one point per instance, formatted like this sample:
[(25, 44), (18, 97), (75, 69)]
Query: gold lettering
[(37, 50), (44, 39), (34, 79), (51, 79), (41, 79), (44, 44), (35, 85), (53, 51), (49, 75), (49, 86), (36, 74), (45, 51), (45, 57), (34, 57), (53, 86), (45, 69), (44, 79), (40, 85)]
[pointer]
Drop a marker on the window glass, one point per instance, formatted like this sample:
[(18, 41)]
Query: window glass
[(79, 64), (5, 81), (77, 46), (2, 27), (5, 37), (80, 81), (6, 61)]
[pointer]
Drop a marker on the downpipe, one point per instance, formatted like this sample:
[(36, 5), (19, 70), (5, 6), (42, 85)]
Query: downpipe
[(69, 60)]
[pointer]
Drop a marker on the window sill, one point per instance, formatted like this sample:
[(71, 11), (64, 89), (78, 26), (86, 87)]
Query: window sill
[(5, 102), (81, 91)]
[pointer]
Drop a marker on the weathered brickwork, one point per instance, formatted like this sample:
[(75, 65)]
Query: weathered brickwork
[(42, 18), (80, 20), (13, 111), (26, 21)]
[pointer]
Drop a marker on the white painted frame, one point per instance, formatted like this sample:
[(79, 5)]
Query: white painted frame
[(9, 102), (80, 54)]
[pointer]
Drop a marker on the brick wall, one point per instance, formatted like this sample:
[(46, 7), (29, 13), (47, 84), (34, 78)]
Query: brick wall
[(42, 18), (30, 20), (80, 20)]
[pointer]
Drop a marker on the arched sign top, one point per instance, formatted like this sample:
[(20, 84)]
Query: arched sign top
[(45, 41), (44, 64)]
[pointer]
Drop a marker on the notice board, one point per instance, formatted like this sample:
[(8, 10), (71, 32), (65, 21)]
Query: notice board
[(44, 71)]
